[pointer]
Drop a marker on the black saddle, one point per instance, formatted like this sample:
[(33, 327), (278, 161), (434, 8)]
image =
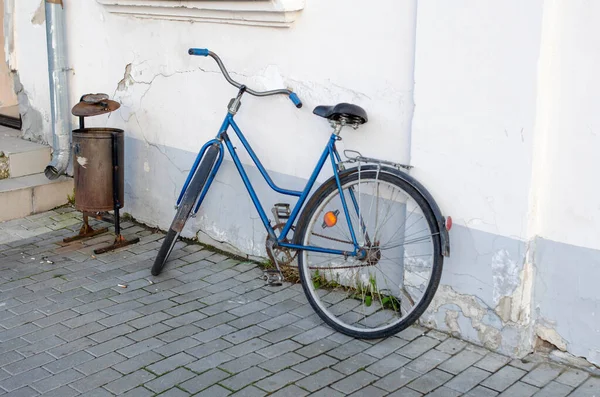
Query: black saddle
[(354, 113)]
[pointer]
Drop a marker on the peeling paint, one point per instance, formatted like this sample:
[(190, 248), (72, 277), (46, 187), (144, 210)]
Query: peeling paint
[(550, 335), (505, 273), (39, 17), (82, 161), (127, 79), (32, 119), (489, 336)]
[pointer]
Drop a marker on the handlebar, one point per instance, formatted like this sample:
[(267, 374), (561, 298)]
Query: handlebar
[(205, 52)]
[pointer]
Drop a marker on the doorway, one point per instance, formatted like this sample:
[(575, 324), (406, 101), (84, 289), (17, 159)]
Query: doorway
[(9, 106)]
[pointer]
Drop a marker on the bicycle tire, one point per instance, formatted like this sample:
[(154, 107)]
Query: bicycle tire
[(185, 208), (340, 281)]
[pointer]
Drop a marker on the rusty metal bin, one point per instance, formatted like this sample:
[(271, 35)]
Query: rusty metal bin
[(93, 168)]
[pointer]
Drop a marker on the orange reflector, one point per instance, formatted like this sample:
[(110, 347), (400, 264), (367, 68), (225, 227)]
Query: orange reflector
[(330, 218), (449, 223)]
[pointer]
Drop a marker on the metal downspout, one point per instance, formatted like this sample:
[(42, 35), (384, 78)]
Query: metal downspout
[(59, 93)]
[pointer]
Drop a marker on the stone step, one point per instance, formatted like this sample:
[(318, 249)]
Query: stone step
[(19, 157), (26, 195)]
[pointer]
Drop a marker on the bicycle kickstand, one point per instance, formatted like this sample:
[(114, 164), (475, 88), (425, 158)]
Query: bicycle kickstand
[(274, 278)]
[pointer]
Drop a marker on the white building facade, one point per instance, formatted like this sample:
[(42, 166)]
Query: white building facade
[(494, 103)]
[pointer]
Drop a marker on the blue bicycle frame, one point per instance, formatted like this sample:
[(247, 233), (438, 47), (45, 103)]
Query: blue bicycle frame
[(329, 152)]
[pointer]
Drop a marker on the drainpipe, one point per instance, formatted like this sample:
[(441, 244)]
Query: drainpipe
[(59, 93)]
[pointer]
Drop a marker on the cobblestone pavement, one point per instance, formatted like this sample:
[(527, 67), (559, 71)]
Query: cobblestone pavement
[(208, 327)]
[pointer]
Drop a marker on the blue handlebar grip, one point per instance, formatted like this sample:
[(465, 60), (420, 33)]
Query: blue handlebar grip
[(294, 98), (202, 52)]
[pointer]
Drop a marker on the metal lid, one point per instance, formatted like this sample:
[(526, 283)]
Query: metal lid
[(94, 105)]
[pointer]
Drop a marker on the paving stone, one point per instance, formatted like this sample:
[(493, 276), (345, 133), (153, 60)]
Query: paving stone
[(246, 347), (212, 361), (428, 361), (354, 382), (244, 378), (554, 389), (502, 379), (467, 379), (279, 380), (205, 380), (56, 381), (523, 364), (282, 333), (140, 361), (405, 392), (79, 332), (140, 347), (315, 364), (573, 377), (320, 379), (244, 334), (280, 348), (109, 346), (242, 363), (98, 364), (369, 391), (461, 361), (249, 320), (156, 330), (492, 362), (171, 363), (520, 389), (418, 346), (29, 363), (68, 362), (214, 321), (289, 391), (96, 380), (430, 381), (208, 348), (282, 362), (481, 391), (139, 392), (316, 348), (396, 379), (25, 378), (24, 392), (64, 391), (349, 349), (178, 346), (178, 333), (451, 346), (215, 391), (354, 363), (169, 380), (589, 388), (444, 392), (542, 375), (128, 382), (313, 335), (388, 364)]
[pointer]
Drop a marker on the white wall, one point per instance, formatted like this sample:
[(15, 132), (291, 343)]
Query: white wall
[(503, 133)]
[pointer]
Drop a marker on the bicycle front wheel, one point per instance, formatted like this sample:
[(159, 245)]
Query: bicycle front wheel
[(393, 279), (189, 199)]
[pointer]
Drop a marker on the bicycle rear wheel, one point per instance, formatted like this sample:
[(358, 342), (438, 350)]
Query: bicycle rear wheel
[(185, 208), (390, 287)]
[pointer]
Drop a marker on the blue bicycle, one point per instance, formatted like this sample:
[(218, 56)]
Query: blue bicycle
[(369, 243)]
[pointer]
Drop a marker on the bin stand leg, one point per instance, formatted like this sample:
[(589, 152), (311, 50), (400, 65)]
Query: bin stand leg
[(120, 241), (85, 231)]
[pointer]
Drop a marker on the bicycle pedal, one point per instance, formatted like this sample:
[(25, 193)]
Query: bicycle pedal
[(281, 211), (273, 278)]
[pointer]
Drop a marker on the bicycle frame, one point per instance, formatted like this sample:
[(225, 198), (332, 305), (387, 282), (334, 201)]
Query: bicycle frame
[(330, 152)]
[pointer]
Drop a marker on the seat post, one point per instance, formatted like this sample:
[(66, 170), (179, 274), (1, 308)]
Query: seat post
[(337, 126)]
